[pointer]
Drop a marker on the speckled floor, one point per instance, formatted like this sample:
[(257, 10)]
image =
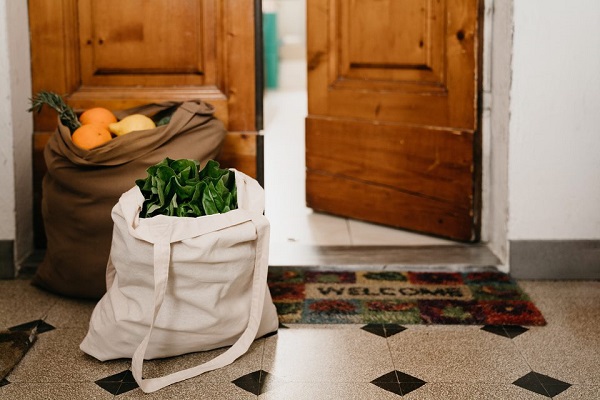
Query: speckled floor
[(560, 360), (315, 362)]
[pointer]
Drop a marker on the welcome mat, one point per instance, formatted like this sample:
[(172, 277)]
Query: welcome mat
[(315, 296)]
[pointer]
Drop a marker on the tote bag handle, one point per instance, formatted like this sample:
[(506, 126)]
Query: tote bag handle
[(162, 252)]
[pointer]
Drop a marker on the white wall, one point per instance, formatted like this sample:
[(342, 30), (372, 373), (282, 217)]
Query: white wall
[(554, 149), (497, 63), (7, 198), (16, 128)]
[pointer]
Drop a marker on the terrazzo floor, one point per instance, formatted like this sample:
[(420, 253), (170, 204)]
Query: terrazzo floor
[(560, 360)]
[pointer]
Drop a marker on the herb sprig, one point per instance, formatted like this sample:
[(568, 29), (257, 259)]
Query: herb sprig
[(65, 113)]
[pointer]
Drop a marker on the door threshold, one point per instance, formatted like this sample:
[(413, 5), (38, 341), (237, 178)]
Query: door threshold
[(460, 257)]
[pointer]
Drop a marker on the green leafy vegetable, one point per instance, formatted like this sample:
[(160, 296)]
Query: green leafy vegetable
[(164, 117), (164, 121), (179, 188)]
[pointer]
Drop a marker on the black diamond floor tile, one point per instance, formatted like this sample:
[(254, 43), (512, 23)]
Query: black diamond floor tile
[(542, 384), (406, 378), (110, 387), (255, 382), (126, 387), (552, 386), (393, 387), (398, 382), (509, 331), (389, 377), (42, 326), (118, 383), (383, 330), (407, 387), (513, 331), (554, 390)]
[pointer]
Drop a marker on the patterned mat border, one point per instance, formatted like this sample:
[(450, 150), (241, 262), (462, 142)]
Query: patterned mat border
[(314, 296)]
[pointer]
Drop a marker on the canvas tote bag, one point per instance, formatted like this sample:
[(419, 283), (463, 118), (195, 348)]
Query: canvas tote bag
[(81, 187), (178, 285)]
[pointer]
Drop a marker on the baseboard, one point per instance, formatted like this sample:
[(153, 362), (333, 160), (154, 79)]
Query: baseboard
[(7, 259), (555, 259)]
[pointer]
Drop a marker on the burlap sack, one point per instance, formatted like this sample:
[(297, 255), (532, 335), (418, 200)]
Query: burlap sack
[(81, 187)]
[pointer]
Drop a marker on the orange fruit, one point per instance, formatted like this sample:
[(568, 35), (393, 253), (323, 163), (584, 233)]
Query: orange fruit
[(97, 115), (90, 136)]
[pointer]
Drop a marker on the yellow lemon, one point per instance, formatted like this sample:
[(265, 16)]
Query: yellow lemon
[(134, 122)]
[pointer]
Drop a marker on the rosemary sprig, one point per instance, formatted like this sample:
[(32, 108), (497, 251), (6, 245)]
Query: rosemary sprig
[(65, 113)]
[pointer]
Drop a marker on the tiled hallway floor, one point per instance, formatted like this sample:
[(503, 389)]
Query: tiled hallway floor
[(560, 360), (315, 362)]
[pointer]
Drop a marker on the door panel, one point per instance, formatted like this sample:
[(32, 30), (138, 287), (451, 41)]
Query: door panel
[(393, 113), (360, 175), (428, 163), (119, 54), (208, 54), (170, 56), (368, 53)]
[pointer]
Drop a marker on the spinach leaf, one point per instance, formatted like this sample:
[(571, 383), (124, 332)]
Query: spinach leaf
[(179, 188)]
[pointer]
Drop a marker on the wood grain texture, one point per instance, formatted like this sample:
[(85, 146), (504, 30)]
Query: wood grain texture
[(392, 41), (413, 178), (154, 51), (68, 58), (436, 88), (144, 49), (239, 43), (345, 196), (239, 152), (432, 163), (393, 102)]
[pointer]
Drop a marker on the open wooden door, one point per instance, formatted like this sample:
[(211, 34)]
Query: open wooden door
[(119, 54), (392, 135)]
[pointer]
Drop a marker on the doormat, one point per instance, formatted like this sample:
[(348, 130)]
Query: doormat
[(316, 296)]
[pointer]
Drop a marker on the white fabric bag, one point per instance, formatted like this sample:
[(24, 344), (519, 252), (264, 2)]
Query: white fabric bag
[(179, 285)]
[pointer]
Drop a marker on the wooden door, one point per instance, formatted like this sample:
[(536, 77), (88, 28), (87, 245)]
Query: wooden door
[(122, 53), (392, 135)]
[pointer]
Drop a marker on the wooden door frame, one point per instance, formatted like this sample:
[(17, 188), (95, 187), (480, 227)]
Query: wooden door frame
[(259, 80)]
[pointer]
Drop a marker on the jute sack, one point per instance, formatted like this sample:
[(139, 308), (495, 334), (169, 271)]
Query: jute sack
[(81, 187), (178, 285)]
